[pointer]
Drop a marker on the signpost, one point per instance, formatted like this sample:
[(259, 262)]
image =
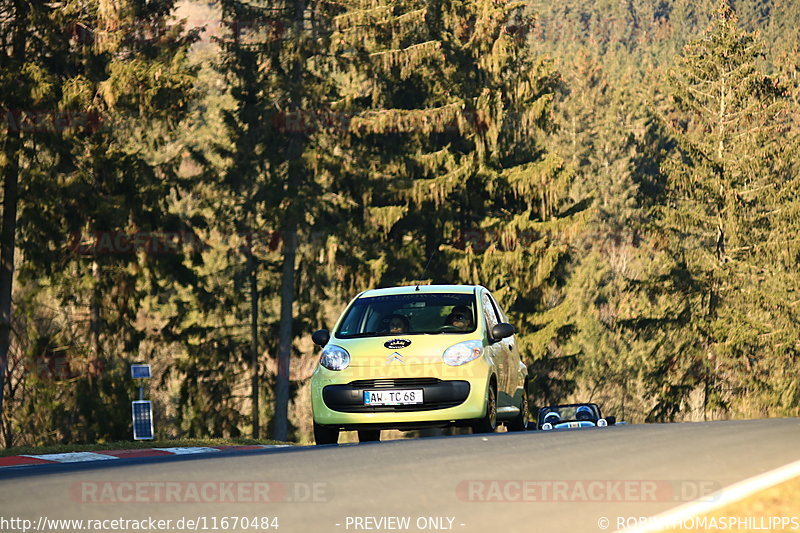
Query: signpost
[(142, 410)]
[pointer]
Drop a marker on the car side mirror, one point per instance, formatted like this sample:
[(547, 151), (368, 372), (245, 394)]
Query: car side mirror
[(611, 420), (321, 337), (503, 330)]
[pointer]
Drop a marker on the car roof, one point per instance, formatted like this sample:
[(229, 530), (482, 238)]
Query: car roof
[(421, 289)]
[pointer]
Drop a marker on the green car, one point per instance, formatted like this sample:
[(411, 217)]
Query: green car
[(419, 356)]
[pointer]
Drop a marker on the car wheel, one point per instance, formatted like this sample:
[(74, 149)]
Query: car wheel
[(369, 435), (488, 424), (325, 435), (520, 422)]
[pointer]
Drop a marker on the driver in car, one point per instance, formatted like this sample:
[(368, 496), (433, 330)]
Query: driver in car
[(460, 317), (552, 418)]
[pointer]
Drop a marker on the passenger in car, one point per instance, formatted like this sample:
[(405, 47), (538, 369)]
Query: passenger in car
[(584, 412), (398, 324)]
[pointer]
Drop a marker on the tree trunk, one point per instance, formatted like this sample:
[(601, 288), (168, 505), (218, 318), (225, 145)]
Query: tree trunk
[(10, 197), (95, 311), (252, 270), (7, 245), (285, 334), (296, 171)]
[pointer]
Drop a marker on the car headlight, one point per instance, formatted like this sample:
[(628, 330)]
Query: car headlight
[(463, 352), (334, 357)]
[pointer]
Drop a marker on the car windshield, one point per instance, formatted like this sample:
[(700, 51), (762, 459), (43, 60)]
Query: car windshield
[(409, 314), (565, 413)]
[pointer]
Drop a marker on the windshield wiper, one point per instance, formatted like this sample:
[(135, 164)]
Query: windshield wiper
[(385, 334), (360, 335)]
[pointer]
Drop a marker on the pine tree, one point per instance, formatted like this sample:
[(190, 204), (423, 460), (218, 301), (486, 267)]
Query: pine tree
[(732, 205), (16, 96), (114, 89), (443, 159), (274, 60)]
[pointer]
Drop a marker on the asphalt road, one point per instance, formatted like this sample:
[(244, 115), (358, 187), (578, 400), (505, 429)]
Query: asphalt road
[(566, 480)]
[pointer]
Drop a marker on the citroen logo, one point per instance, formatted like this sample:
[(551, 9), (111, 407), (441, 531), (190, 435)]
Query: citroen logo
[(396, 344), (395, 357)]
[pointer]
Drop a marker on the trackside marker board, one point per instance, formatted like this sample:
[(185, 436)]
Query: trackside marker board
[(140, 371), (142, 419)]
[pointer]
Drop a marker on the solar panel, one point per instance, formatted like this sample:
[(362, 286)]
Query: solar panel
[(140, 371), (142, 419)]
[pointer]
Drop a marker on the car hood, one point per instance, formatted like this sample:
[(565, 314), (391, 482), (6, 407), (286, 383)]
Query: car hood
[(402, 349)]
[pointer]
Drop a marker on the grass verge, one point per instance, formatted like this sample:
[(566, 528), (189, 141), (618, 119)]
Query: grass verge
[(759, 512)]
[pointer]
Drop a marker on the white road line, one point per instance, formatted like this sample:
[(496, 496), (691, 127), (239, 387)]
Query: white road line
[(72, 457), (733, 493), (81, 457), (182, 451)]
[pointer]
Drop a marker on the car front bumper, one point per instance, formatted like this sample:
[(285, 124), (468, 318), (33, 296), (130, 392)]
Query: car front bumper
[(450, 395)]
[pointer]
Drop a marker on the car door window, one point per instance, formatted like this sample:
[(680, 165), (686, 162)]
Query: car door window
[(500, 351), (502, 317), (500, 314), (490, 313)]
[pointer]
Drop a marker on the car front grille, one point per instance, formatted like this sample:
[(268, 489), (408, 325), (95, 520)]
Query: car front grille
[(437, 394), (390, 383)]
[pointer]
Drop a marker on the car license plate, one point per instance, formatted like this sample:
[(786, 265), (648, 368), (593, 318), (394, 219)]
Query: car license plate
[(392, 397)]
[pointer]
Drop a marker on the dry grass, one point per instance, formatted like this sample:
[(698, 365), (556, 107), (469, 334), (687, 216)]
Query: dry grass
[(756, 512)]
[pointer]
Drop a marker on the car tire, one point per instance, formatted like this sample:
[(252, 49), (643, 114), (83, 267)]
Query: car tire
[(488, 424), (520, 422), (369, 435), (325, 435)]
